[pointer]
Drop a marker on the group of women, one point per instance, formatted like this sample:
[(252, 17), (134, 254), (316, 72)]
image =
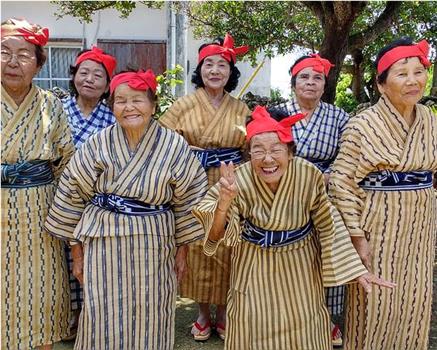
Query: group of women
[(301, 197)]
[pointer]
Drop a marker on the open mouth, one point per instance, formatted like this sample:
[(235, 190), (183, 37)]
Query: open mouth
[(131, 117), (270, 170)]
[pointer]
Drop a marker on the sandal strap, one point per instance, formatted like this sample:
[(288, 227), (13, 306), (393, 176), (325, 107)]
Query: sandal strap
[(220, 325), (200, 328)]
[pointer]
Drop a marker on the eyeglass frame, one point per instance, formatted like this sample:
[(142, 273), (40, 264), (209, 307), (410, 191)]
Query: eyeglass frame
[(8, 56), (275, 153)]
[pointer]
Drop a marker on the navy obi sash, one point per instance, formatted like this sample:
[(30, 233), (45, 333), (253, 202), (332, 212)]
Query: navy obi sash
[(128, 206), (27, 174), (272, 239), (322, 165), (387, 180), (212, 157)]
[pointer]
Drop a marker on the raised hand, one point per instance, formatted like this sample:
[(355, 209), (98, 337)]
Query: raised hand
[(228, 185), (368, 279)]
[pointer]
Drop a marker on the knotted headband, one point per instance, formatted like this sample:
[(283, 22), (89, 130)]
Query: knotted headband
[(33, 33), (97, 55), (420, 50), (136, 80), (319, 64), (263, 122), (227, 51)]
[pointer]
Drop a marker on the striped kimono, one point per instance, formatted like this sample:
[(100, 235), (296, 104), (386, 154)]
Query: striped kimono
[(129, 260), (318, 140), (276, 299), (82, 128), (203, 126), (34, 281), (400, 226)]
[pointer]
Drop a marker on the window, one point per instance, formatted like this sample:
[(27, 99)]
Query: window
[(56, 70)]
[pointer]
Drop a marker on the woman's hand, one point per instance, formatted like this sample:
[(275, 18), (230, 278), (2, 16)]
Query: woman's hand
[(228, 186), (363, 249), (368, 279), (77, 255), (181, 266)]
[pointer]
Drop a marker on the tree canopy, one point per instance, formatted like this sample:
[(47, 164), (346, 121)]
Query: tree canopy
[(348, 33)]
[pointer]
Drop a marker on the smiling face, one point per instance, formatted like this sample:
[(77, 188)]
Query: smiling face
[(269, 158), (405, 83), (215, 73), (19, 63), (133, 109), (91, 80), (309, 85)]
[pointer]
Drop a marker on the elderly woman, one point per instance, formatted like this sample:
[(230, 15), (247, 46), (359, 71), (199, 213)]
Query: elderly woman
[(382, 185), (275, 213), (87, 114), (36, 145), (317, 137), (212, 122), (125, 200)]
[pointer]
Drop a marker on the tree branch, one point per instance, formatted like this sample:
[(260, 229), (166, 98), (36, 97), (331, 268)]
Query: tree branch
[(315, 7), (359, 40)]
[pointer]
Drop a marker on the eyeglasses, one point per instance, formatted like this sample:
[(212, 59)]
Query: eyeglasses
[(22, 58), (274, 153)]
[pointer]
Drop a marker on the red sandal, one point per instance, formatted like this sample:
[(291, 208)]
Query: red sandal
[(221, 330), (203, 332)]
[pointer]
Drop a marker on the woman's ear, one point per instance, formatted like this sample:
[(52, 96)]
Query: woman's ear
[(380, 88)]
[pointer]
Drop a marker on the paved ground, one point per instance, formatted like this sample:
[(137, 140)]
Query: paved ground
[(186, 312)]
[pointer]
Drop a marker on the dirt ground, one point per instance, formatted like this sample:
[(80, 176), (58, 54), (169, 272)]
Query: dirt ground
[(186, 313)]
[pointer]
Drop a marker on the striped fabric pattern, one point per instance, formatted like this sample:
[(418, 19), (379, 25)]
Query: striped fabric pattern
[(129, 277), (202, 125), (400, 226), (318, 139), (276, 299), (82, 127), (34, 284)]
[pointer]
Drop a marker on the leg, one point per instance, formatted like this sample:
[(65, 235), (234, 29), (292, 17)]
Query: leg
[(220, 321), (202, 327), (45, 347)]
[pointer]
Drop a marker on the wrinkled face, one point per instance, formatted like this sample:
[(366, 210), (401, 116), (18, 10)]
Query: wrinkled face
[(132, 108), (19, 65), (91, 80), (215, 72), (309, 84), (406, 82), (269, 158)]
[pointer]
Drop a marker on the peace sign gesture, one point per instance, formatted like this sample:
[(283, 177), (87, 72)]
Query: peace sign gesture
[(228, 184)]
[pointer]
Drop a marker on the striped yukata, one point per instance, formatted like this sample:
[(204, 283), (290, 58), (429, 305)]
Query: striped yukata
[(276, 298), (317, 140), (129, 260), (34, 280), (202, 125), (82, 128), (400, 226)]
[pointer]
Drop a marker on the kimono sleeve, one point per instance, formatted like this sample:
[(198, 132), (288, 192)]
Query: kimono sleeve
[(190, 185), (340, 260), (62, 140), (349, 169), (204, 212), (75, 189)]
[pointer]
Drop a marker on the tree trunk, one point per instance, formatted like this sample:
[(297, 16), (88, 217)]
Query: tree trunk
[(358, 76)]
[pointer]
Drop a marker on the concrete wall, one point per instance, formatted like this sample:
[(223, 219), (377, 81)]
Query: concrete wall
[(142, 24)]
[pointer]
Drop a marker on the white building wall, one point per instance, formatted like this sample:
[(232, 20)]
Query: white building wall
[(142, 24)]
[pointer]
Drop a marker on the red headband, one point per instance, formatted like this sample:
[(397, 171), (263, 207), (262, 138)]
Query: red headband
[(97, 55), (227, 51), (263, 122), (136, 80), (33, 33), (319, 64), (420, 50)]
